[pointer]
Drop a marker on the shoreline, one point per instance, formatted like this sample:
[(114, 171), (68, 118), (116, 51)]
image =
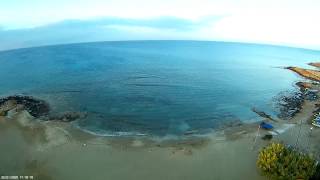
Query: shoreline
[(47, 150), (217, 153)]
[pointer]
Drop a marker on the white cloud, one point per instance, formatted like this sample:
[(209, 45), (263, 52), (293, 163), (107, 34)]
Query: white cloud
[(288, 22), (294, 29)]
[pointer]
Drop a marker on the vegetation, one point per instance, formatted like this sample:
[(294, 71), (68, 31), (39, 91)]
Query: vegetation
[(277, 161)]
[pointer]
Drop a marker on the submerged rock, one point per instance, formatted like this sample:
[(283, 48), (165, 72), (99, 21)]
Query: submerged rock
[(262, 114), (68, 116)]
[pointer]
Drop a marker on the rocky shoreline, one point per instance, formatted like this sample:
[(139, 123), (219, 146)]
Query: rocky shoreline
[(306, 73), (289, 104), (37, 108)]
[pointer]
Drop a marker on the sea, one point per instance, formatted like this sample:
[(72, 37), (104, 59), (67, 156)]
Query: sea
[(154, 88)]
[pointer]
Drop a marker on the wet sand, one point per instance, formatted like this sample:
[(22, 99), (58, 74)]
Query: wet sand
[(55, 150), (133, 159)]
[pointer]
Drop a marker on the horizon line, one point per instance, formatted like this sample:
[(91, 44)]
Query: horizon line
[(143, 40)]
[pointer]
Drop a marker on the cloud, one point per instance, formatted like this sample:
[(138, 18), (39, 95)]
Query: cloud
[(103, 29), (15, 14), (160, 22), (43, 22), (292, 29), (300, 30)]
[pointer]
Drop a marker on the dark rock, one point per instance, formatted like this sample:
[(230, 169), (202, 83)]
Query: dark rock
[(262, 114), (289, 104), (68, 116), (35, 107), (267, 137), (311, 95), (7, 106), (304, 85), (227, 123)]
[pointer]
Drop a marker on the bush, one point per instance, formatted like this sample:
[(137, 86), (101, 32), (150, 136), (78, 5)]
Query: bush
[(277, 161)]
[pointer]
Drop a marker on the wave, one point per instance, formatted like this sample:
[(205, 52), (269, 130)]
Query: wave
[(99, 132)]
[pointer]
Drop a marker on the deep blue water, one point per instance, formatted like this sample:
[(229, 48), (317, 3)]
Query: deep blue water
[(154, 87)]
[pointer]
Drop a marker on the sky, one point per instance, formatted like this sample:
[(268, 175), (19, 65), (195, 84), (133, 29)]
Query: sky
[(26, 23)]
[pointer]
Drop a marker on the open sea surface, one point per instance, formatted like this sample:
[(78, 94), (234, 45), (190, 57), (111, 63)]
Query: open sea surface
[(154, 88)]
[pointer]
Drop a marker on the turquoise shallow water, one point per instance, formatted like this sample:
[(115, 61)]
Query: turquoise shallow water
[(154, 87)]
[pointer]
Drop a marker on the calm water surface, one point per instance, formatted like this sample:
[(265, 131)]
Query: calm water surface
[(154, 87)]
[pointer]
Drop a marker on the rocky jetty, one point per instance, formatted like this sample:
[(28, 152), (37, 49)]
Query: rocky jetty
[(262, 114), (315, 64), (291, 104), (306, 73)]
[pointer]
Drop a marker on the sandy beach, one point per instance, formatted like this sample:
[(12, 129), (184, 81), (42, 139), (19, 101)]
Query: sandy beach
[(55, 150), (159, 90)]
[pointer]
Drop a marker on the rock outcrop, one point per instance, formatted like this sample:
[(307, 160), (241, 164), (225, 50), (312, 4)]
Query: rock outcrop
[(315, 64), (304, 85), (11, 105), (306, 73), (35, 107), (289, 104)]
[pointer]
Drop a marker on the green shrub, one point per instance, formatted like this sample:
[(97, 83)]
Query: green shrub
[(277, 161)]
